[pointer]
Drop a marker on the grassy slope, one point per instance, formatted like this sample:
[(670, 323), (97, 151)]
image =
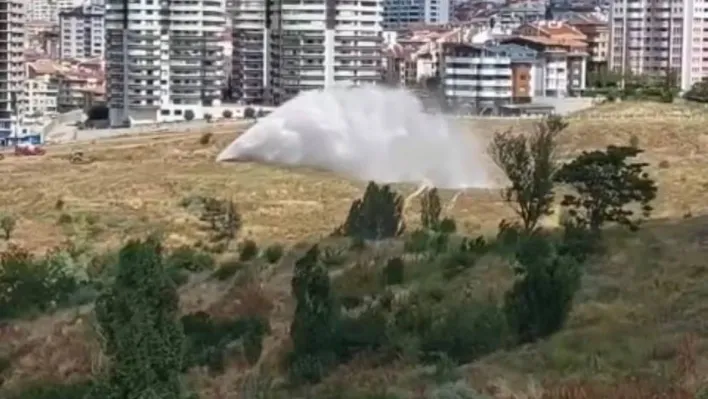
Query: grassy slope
[(636, 304)]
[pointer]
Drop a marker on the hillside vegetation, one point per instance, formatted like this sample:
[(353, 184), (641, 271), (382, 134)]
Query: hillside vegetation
[(152, 272)]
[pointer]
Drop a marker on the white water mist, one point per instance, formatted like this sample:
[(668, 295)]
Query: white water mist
[(367, 133)]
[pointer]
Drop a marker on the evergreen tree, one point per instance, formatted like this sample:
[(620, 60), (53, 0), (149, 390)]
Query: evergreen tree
[(138, 319), (313, 327), (377, 215), (430, 209)]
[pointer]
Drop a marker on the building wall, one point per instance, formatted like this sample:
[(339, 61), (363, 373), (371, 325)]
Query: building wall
[(399, 13), (82, 32), (164, 60), (12, 68), (657, 37), (297, 45), (477, 78)]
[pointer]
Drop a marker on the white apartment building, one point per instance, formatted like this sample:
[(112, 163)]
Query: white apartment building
[(48, 10), (40, 96), (289, 46), (12, 69), (659, 37), (164, 59), (399, 13), (82, 32)]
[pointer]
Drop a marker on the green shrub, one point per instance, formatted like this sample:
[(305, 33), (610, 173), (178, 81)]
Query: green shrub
[(313, 327), (466, 332), (248, 250), (209, 338), (417, 242), (539, 302), (228, 268), (138, 320), (7, 225), (28, 284), (190, 259), (333, 256), (447, 226), (377, 215), (393, 273), (273, 253), (364, 332), (53, 391)]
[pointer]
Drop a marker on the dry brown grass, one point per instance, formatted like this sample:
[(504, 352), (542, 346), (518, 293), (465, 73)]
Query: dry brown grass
[(636, 306)]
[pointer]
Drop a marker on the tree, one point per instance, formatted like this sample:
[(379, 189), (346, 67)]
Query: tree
[(7, 225), (189, 115), (222, 218), (430, 209), (539, 302), (138, 320), (377, 215), (227, 114), (605, 183), (249, 113), (529, 162), (313, 327)]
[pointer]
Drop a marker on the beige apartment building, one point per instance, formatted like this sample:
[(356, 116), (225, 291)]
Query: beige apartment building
[(660, 37)]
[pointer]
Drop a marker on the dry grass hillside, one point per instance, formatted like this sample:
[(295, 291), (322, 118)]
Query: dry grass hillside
[(642, 310)]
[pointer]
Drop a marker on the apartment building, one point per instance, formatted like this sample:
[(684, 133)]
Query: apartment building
[(562, 65), (400, 13), (164, 59), (48, 10), (82, 32), (41, 89), (660, 37), (282, 48), (12, 69), (481, 76), (597, 33)]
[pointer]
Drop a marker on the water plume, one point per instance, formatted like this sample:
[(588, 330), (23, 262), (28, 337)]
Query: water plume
[(366, 133)]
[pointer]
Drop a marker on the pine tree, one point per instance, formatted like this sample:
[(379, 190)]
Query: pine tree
[(138, 319), (430, 209)]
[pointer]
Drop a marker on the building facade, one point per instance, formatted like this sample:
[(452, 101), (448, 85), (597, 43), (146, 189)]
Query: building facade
[(48, 10), (285, 47), (400, 13), (82, 32), (658, 38), (164, 59), (12, 68), (487, 76)]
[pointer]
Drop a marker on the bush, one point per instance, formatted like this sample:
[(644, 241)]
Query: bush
[(334, 256), (189, 115), (393, 273), (205, 138), (190, 259), (227, 114), (273, 253), (313, 327), (208, 118), (54, 391), (430, 209), (467, 332), (456, 390), (7, 225), (539, 302), (417, 242), (447, 226), (248, 250), (208, 339), (138, 319), (249, 113), (30, 285), (377, 215), (228, 268)]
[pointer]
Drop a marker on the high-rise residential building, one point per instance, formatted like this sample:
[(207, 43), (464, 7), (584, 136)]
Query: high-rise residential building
[(82, 31), (48, 10), (284, 47), (399, 13), (12, 68), (660, 37), (164, 59)]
